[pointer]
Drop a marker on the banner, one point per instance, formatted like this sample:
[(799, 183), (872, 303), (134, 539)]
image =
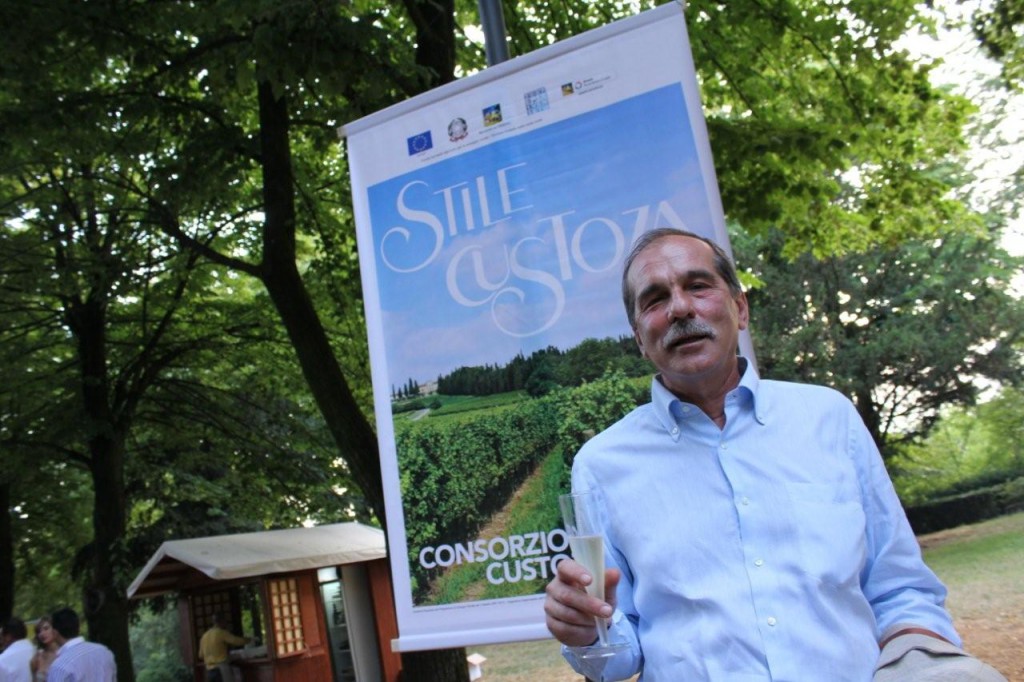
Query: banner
[(493, 216)]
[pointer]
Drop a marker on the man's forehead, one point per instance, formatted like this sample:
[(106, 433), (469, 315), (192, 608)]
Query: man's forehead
[(676, 254)]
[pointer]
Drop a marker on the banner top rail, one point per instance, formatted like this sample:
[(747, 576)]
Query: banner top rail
[(498, 71)]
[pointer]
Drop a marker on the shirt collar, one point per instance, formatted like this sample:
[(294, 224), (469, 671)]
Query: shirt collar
[(672, 411), (74, 641)]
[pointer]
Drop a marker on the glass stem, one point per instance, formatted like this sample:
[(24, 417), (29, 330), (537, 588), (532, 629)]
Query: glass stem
[(602, 631)]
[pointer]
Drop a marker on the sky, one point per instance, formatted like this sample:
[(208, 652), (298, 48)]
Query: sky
[(964, 68)]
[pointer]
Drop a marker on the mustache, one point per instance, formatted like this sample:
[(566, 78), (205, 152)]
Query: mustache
[(683, 329)]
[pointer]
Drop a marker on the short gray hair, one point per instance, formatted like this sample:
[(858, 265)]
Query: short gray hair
[(723, 264)]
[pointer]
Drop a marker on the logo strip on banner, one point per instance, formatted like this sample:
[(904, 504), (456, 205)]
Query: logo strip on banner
[(492, 216)]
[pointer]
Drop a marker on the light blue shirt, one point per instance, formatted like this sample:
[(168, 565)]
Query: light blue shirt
[(773, 549)]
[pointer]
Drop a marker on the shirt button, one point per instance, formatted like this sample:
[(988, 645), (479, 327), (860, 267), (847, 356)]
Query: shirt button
[(759, 562), (771, 621), (675, 430), (724, 446), (745, 501)]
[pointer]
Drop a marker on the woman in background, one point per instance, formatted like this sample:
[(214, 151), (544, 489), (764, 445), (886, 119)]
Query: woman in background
[(40, 663)]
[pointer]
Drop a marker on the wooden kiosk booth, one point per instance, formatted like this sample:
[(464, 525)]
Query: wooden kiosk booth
[(316, 602)]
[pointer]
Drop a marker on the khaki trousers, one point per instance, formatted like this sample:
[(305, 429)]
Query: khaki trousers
[(920, 658)]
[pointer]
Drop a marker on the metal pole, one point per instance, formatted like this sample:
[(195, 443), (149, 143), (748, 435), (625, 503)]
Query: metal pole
[(493, 21)]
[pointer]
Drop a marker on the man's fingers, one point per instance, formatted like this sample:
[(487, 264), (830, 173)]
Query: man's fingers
[(569, 611)]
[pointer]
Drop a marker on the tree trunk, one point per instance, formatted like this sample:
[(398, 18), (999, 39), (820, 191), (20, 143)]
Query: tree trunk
[(6, 553), (435, 36), (866, 408), (104, 599), (348, 425), (447, 665), (351, 430)]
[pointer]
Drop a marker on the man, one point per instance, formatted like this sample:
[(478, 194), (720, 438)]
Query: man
[(78, 660), (751, 529), (213, 650), (16, 659)]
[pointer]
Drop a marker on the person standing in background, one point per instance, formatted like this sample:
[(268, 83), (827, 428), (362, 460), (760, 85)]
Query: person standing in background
[(213, 650), (78, 660), (17, 652), (46, 639)]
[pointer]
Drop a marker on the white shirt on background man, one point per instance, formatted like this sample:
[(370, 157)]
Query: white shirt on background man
[(15, 660)]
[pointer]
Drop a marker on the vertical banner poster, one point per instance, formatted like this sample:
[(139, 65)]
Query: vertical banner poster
[(493, 216)]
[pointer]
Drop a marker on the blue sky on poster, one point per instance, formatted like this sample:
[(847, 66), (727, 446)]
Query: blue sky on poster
[(517, 246)]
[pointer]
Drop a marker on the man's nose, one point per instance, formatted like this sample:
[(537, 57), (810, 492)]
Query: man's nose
[(680, 306)]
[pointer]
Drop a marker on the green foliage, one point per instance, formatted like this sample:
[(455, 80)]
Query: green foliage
[(415, 405), (802, 98), (534, 509), (156, 647), (548, 368), (149, 136), (492, 454), (593, 407), (978, 504), (820, 127), (51, 524), (999, 27), (970, 448), (902, 331), (452, 405)]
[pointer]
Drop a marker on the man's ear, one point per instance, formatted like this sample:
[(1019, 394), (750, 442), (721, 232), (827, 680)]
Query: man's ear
[(742, 310), (639, 343)]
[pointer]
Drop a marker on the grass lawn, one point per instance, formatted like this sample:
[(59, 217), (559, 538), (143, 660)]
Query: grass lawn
[(980, 563)]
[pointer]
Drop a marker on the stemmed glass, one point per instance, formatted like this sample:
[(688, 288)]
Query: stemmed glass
[(580, 515)]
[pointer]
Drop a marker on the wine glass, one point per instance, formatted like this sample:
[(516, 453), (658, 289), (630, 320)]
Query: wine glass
[(581, 517)]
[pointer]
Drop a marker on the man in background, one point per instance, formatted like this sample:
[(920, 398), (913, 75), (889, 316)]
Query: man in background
[(78, 660), (213, 650), (17, 652)]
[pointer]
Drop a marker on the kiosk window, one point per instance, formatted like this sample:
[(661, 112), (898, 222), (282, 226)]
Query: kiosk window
[(285, 616)]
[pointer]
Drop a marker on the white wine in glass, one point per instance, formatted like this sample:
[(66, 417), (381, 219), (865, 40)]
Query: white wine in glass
[(581, 517)]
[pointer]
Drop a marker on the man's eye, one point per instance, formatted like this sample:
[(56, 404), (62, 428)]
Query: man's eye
[(649, 303)]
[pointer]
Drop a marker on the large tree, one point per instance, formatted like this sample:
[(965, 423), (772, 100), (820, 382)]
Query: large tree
[(903, 331), (820, 126)]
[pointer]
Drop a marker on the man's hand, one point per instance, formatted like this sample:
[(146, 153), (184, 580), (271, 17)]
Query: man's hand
[(570, 611)]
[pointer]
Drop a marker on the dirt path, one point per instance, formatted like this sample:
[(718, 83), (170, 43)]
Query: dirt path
[(497, 525), (988, 613)]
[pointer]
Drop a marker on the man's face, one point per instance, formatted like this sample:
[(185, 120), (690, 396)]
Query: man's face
[(687, 320)]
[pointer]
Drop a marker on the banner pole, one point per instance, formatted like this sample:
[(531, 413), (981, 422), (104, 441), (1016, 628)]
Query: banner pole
[(495, 39)]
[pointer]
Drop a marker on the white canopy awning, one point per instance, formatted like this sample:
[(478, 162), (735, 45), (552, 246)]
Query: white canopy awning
[(184, 563)]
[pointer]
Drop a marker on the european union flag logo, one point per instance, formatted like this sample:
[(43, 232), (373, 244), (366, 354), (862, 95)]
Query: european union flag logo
[(420, 143)]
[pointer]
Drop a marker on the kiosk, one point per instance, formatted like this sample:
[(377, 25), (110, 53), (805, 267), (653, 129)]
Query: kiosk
[(316, 601)]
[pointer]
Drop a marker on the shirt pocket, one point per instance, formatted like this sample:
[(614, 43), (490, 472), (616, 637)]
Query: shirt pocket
[(830, 527)]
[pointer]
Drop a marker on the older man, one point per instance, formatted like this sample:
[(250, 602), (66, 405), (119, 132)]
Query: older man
[(750, 525)]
